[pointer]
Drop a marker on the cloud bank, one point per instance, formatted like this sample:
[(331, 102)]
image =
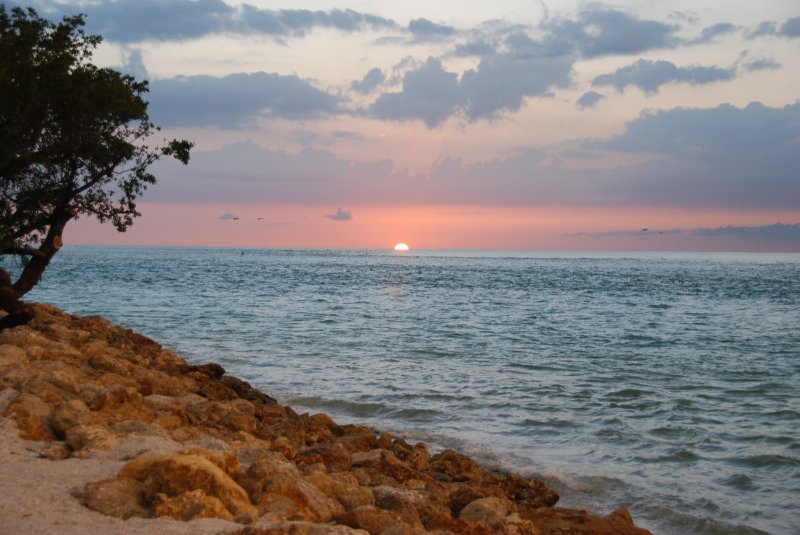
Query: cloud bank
[(649, 75), (133, 21), (234, 100), (724, 158)]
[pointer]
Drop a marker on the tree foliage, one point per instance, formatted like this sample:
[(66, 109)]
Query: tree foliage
[(74, 140)]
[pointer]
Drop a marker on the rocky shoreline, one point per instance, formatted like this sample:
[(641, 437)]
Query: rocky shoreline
[(104, 429)]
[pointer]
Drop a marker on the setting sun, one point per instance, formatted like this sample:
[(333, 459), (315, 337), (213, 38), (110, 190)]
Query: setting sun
[(401, 247)]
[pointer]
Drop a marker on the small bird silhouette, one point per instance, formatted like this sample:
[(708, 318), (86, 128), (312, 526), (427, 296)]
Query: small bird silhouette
[(236, 219), (260, 218), (644, 229)]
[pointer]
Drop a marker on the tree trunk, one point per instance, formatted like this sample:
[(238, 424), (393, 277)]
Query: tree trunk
[(18, 313)]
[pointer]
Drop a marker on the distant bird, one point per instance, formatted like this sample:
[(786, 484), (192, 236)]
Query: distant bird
[(236, 219), (260, 218), (644, 229)]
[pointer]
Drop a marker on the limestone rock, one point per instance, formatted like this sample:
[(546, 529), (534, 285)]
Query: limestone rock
[(68, 415), (11, 355), (453, 466), (86, 438), (491, 510), (555, 521), (190, 505), (32, 416), (291, 527), (335, 456), (343, 489), (122, 498), (7, 397), (176, 473), (529, 493), (378, 521), (381, 462)]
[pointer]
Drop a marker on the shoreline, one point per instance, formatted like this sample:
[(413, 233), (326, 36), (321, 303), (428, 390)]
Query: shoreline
[(101, 424)]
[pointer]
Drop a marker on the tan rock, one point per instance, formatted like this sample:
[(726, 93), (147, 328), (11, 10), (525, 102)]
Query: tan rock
[(69, 414), (456, 467), (227, 461), (384, 463), (322, 420), (11, 355), (491, 510), (344, 490), (556, 521), (7, 397), (268, 526), (359, 439), (24, 337), (32, 416), (335, 456), (401, 502), (190, 505), (122, 498), (377, 521), (528, 493), (177, 473), (284, 446), (87, 438)]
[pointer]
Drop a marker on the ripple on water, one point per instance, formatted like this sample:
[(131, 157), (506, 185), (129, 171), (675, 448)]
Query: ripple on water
[(739, 481), (772, 461), (671, 455)]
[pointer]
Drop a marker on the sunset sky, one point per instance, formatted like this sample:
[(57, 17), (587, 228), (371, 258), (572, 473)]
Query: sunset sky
[(502, 124)]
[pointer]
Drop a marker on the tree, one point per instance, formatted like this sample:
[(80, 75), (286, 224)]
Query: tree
[(73, 141)]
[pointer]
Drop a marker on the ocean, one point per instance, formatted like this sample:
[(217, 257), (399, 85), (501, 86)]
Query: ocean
[(666, 382)]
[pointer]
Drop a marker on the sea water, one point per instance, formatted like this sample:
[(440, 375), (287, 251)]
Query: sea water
[(668, 383)]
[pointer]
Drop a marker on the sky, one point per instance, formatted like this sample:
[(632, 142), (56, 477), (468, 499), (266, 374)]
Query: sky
[(503, 124)]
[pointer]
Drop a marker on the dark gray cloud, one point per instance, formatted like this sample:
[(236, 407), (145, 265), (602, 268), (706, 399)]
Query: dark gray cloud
[(603, 32), (589, 100), (425, 30), (370, 82), (724, 130), (231, 101), (477, 47), (724, 156), (130, 21), (762, 64), (711, 32), (340, 215), (500, 84), (430, 93), (789, 28), (649, 75), (774, 232)]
